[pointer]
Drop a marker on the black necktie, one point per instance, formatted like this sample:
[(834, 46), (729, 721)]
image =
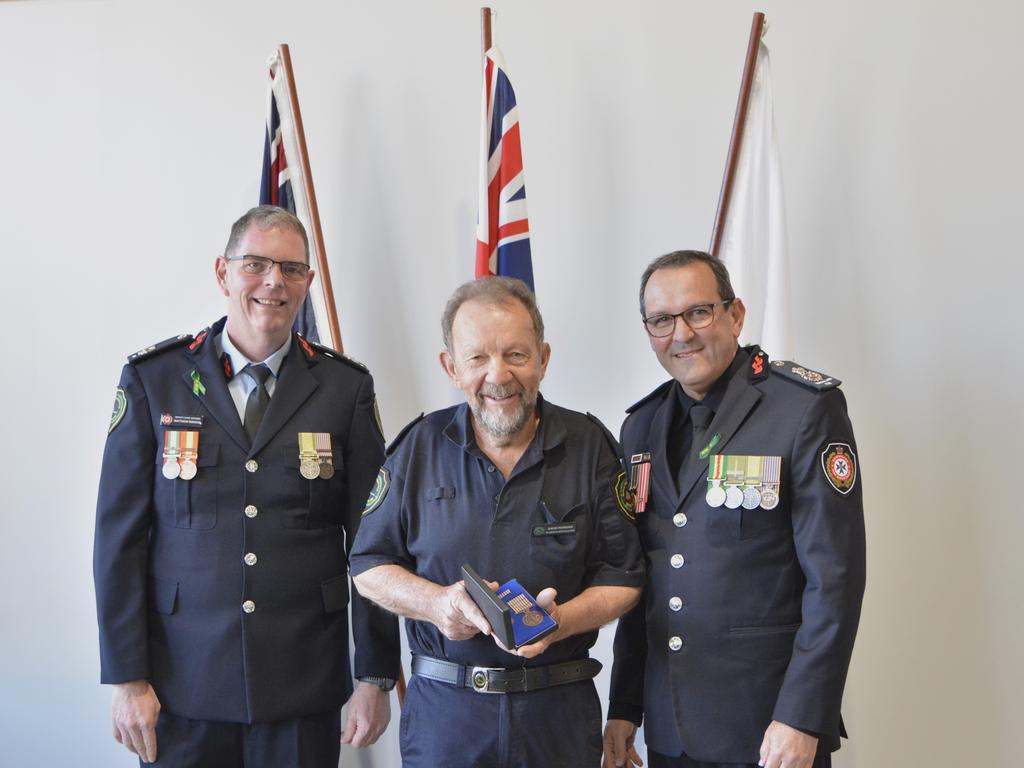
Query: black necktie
[(700, 416), (256, 404)]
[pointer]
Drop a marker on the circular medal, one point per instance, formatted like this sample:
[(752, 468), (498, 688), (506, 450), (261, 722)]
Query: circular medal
[(326, 470), (532, 618), (751, 497), (171, 469), (733, 496), (769, 498), (188, 469), (715, 496), (309, 469)]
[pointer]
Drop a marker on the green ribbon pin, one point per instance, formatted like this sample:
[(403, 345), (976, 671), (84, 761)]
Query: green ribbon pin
[(198, 388), (706, 450)]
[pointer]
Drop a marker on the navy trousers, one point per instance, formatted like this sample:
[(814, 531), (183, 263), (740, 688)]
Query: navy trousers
[(656, 760), (447, 727), (312, 741)]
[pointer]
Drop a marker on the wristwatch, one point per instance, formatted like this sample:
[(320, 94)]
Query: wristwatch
[(384, 683)]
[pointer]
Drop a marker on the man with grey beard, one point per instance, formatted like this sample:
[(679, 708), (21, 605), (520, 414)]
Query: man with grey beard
[(519, 489)]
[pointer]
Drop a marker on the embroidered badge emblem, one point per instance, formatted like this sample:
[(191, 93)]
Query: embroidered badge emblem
[(839, 464), (380, 489)]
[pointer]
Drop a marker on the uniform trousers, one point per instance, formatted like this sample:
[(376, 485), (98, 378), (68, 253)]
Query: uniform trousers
[(657, 760), (312, 741), (447, 727)]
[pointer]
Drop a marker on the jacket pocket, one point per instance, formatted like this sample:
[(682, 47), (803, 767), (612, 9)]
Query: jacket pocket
[(163, 595), (316, 503), (558, 536), (335, 593), (762, 643), (195, 500)]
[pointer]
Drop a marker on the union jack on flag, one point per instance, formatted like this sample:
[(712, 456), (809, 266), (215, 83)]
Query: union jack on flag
[(281, 184), (502, 229)]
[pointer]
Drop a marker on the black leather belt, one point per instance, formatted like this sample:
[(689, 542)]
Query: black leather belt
[(504, 680)]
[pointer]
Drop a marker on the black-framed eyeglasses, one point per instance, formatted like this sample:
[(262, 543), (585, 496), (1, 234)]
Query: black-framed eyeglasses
[(261, 265), (700, 316)]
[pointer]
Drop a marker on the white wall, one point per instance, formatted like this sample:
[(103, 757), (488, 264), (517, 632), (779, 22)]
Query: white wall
[(131, 138)]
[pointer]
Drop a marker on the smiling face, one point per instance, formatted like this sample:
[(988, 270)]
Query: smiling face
[(696, 359), (498, 363), (262, 308)]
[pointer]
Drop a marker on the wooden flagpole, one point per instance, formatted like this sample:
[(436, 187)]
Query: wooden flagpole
[(316, 234), (485, 31), (739, 123)]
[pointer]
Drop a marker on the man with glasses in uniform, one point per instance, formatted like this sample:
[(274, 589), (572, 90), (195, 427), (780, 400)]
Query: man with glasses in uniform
[(236, 467), (748, 504)]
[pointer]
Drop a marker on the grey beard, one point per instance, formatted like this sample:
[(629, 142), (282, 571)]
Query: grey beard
[(499, 424)]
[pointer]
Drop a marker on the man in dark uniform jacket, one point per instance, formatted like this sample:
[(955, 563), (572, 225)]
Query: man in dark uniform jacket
[(517, 488), (236, 467), (752, 523)]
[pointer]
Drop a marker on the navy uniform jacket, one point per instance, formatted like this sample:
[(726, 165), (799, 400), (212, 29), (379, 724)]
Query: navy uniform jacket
[(170, 558), (770, 600), (446, 504)]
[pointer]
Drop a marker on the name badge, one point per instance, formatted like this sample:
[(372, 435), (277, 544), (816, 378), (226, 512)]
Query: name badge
[(554, 529)]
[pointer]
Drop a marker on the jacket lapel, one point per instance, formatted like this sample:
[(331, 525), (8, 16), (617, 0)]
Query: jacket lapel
[(740, 399), (216, 398), (660, 435), (294, 386)]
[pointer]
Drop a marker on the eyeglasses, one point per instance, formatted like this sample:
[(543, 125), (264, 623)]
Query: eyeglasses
[(261, 265), (700, 316)]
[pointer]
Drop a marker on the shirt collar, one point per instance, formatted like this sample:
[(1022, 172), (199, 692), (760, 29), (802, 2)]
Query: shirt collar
[(551, 430), (239, 361)]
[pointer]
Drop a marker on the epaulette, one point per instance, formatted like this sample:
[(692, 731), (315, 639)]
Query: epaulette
[(813, 379), (163, 346), (612, 442), (405, 430), (312, 347), (660, 391)]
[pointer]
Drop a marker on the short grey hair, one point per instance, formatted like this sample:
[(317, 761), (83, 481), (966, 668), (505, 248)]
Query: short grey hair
[(492, 290), (685, 259), (266, 217)]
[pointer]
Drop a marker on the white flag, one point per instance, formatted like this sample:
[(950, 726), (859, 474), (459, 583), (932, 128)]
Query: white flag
[(754, 245)]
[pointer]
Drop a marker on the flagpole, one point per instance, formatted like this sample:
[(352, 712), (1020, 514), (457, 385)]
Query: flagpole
[(739, 123), (485, 30), (316, 235)]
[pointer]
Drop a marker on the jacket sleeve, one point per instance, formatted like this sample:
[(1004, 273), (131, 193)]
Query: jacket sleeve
[(374, 630), (828, 533), (124, 512)]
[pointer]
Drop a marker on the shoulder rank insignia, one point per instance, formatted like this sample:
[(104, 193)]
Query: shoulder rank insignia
[(171, 343), (120, 409), (650, 396), (405, 431), (805, 376), (312, 347), (380, 489), (839, 464)]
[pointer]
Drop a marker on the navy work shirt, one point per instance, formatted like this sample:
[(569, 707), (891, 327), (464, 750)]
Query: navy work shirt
[(447, 504)]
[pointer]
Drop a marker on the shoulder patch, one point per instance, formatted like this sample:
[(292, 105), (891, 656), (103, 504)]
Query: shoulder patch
[(839, 463), (659, 392), (624, 497), (163, 346), (608, 436), (120, 409), (813, 379), (405, 430), (380, 489)]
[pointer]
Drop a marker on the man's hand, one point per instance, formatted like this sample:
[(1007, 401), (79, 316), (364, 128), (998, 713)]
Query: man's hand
[(619, 751), (133, 713), (786, 747), (546, 600), (369, 712), (456, 615)]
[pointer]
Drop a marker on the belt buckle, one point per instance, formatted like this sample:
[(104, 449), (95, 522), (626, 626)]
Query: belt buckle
[(481, 680)]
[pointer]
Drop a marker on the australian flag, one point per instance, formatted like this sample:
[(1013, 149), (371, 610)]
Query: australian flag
[(502, 229), (276, 187)]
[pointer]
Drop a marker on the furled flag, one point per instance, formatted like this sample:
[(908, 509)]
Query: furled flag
[(281, 184), (502, 228), (754, 244)]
